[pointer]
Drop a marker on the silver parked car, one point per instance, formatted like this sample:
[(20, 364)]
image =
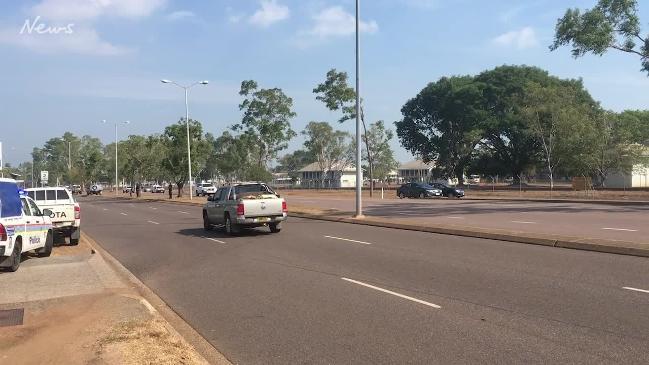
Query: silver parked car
[(245, 205)]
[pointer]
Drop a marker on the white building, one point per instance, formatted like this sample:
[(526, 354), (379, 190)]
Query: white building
[(416, 171), (637, 178), (311, 176)]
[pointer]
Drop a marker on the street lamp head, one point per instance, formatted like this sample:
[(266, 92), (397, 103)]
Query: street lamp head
[(205, 82), (127, 122), (103, 121), (165, 81)]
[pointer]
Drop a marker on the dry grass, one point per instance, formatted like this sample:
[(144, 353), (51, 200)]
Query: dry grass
[(146, 342)]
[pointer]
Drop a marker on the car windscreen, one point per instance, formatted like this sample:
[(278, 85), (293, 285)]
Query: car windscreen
[(425, 186), (10, 205)]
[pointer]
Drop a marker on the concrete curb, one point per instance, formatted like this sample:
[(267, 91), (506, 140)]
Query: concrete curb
[(177, 323), (575, 243)]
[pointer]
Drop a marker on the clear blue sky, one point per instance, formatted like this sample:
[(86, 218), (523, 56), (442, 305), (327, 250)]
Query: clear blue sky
[(110, 63)]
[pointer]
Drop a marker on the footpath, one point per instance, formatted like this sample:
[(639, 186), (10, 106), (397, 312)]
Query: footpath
[(79, 306), (578, 243)]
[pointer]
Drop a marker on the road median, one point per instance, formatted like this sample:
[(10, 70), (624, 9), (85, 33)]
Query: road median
[(567, 242)]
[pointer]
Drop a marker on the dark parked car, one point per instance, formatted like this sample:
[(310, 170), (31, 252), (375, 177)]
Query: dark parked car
[(448, 191), (418, 190)]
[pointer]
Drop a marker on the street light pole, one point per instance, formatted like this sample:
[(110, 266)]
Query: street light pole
[(359, 171), (116, 155), (189, 149)]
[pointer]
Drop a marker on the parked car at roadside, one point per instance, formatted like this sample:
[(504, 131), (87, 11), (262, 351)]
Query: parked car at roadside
[(95, 189), (245, 206), (418, 190), (76, 189), (65, 212), (126, 189), (204, 189), (23, 226), (449, 191), (157, 189)]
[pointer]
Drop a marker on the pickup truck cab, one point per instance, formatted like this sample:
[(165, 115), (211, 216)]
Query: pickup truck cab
[(23, 226), (65, 211), (245, 205)]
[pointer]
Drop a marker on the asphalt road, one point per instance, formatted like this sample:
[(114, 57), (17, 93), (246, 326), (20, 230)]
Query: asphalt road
[(334, 293), (626, 223)]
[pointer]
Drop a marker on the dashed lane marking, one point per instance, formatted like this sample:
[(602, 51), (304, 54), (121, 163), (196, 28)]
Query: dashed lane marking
[(393, 293)]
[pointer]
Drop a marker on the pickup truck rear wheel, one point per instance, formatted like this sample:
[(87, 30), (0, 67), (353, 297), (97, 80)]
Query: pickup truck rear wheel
[(206, 222), (231, 228), (275, 227), (49, 243)]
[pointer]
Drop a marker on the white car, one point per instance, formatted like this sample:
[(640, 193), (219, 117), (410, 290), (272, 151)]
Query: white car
[(23, 226), (65, 211), (157, 189), (204, 189)]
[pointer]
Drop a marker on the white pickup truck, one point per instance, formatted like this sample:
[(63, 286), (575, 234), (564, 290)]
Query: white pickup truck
[(23, 226), (245, 205), (65, 211)]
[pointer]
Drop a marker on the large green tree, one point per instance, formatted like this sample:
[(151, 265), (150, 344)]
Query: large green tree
[(330, 148), (267, 115), (444, 123), (174, 140), (508, 135), (611, 24)]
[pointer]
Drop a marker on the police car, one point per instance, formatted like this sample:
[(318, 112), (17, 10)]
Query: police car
[(23, 226)]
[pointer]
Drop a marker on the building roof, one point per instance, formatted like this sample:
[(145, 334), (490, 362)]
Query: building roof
[(417, 165), (315, 167)]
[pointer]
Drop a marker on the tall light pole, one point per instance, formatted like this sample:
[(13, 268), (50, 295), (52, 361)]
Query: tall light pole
[(189, 149), (116, 143), (359, 171)]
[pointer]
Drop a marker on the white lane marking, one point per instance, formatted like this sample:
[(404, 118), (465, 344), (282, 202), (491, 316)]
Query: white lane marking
[(123, 213), (620, 229), (105, 209), (636, 289), (523, 222), (154, 208), (393, 293), (181, 212), (455, 217), (346, 239), (152, 222), (214, 240)]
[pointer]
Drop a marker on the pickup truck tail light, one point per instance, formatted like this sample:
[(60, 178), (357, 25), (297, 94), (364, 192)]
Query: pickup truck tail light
[(77, 212), (284, 207), (3, 233), (241, 209)]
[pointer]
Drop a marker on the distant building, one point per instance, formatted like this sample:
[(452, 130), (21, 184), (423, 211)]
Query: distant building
[(415, 171), (282, 180), (638, 177), (311, 176)]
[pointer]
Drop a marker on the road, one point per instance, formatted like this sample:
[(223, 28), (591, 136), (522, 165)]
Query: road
[(626, 223), (334, 293)]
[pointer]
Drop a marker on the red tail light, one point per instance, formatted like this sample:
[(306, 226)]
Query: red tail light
[(3, 233), (284, 207), (77, 212), (241, 210)]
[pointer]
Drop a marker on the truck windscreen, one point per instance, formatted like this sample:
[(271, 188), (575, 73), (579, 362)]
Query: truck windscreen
[(10, 205)]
